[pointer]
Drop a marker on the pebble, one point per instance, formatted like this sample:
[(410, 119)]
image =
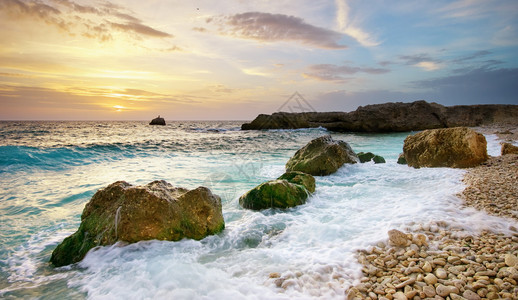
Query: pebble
[(470, 295), (427, 267), (441, 273), (511, 260), (437, 261), (429, 291), (430, 279), (399, 296)]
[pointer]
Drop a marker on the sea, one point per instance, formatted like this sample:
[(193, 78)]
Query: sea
[(50, 170)]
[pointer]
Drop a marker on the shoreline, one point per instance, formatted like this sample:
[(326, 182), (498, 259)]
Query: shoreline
[(440, 262)]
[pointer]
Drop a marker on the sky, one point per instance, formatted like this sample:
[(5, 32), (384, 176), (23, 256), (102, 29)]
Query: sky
[(235, 59)]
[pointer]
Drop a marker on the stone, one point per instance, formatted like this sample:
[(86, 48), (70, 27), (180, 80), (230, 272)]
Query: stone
[(301, 178), (427, 267), (274, 194), (157, 121), (508, 148), (458, 147), (430, 279), (274, 275), (443, 290), (429, 291), (127, 213), (322, 156), (470, 295), (511, 260), (378, 159), (365, 157), (398, 238), (399, 296), (401, 159), (405, 283), (441, 273)]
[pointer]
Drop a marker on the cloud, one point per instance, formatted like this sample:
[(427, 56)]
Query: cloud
[(476, 9), (475, 55), (479, 85), (337, 73), (268, 27), (423, 61), (345, 25), (140, 29), (87, 21), (199, 29)]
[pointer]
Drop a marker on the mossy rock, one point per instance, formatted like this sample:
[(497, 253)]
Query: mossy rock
[(401, 159), (378, 159), (301, 178), (368, 156), (322, 156), (122, 212), (365, 157), (278, 193)]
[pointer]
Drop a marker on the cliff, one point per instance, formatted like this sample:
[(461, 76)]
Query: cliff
[(391, 117)]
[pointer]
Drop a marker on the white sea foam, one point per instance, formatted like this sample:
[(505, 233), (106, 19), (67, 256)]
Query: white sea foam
[(493, 145), (311, 246)]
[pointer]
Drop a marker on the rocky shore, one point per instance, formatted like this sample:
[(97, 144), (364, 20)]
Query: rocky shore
[(391, 117), (440, 262)]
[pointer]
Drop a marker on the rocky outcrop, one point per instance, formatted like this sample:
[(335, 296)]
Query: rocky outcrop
[(322, 156), (289, 190), (459, 147), (391, 117), (127, 213), (157, 121), (508, 148), (368, 156)]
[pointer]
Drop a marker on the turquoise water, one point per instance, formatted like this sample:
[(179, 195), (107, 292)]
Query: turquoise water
[(49, 170)]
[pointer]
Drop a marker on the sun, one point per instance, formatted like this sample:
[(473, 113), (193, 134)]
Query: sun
[(119, 108)]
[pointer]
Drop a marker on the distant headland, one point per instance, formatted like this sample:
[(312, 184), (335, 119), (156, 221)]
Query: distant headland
[(391, 117)]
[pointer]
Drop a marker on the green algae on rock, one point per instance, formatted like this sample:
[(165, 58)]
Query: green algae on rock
[(368, 156), (322, 156), (301, 178), (127, 213), (289, 190)]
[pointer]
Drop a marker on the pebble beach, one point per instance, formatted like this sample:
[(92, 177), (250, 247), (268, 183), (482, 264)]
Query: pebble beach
[(437, 261)]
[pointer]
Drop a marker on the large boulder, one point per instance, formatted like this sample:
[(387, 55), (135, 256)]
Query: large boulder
[(289, 190), (127, 213), (322, 156), (458, 147)]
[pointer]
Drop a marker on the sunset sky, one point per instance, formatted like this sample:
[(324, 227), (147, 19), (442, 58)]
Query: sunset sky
[(234, 59)]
